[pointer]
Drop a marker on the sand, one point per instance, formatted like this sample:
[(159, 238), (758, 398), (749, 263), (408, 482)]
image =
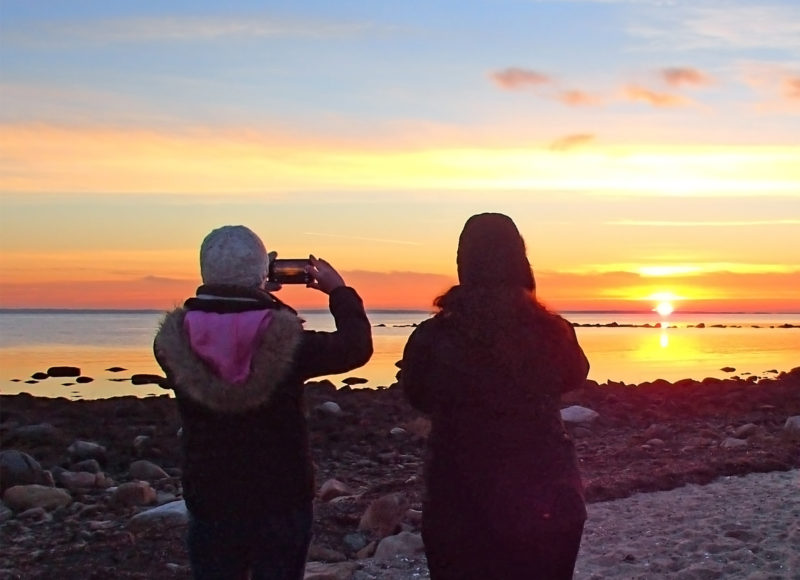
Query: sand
[(736, 527)]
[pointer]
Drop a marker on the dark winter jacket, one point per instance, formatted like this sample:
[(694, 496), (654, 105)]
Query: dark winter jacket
[(244, 439), (498, 454)]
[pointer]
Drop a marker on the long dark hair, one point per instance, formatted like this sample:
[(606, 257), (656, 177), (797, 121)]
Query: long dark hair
[(495, 299)]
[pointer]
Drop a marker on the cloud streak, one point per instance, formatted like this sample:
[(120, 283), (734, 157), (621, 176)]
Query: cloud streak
[(706, 224), (572, 142), (690, 26), (364, 239), (516, 78), (181, 29), (683, 76), (657, 99)]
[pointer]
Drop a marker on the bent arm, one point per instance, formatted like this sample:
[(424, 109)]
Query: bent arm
[(417, 369), (347, 348), (575, 364)]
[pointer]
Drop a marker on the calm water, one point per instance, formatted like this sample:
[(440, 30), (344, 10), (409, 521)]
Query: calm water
[(96, 341)]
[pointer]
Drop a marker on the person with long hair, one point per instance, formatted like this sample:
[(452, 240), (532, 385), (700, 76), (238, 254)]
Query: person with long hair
[(503, 494)]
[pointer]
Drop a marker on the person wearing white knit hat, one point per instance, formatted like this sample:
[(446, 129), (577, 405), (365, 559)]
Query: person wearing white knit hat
[(237, 358)]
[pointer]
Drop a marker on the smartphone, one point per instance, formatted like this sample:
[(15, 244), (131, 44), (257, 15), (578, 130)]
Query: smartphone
[(289, 271)]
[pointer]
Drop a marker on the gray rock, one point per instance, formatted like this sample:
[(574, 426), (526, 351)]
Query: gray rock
[(745, 431), (141, 444), (146, 470), (355, 541), (80, 450), (88, 465), (41, 433), (18, 468), (329, 408), (578, 414), (402, 544), (398, 432), (792, 425), (733, 443), (5, 514), (170, 515), (333, 488)]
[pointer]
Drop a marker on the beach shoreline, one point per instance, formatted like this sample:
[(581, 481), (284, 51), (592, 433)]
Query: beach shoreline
[(655, 450)]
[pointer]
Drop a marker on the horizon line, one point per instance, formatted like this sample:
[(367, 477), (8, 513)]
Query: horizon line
[(46, 310)]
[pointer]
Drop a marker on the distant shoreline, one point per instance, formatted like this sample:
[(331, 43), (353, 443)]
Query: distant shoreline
[(384, 311)]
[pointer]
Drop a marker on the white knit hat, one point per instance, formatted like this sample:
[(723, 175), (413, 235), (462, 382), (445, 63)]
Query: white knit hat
[(233, 255)]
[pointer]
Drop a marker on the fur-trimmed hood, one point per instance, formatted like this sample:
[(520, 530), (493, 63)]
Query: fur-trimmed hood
[(189, 375)]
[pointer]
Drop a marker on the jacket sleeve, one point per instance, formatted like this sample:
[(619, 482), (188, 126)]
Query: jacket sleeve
[(575, 365), (347, 348), (417, 369)]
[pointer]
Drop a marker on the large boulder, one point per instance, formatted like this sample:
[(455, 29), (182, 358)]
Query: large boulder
[(24, 497), (18, 468), (578, 415)]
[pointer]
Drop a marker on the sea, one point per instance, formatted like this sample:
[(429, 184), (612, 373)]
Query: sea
[(110, 346)]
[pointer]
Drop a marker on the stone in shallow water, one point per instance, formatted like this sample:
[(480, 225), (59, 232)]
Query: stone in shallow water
[(63, 371)]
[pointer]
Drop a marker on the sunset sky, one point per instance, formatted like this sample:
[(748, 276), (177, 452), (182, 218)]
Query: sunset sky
[(649, 150)]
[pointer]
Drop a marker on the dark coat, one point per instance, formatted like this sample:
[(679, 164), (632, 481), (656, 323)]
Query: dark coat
[(245, 447), (500, 465)]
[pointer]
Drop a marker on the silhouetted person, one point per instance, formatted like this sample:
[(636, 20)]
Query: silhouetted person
[(237, 358), (504, 499)]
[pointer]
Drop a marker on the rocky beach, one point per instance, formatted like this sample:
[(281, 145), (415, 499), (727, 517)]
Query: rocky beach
[(689, 479)]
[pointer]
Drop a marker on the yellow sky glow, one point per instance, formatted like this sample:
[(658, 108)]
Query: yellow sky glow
[(76, 159)]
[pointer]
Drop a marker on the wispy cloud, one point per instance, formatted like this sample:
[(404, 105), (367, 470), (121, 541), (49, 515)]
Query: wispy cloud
[(706, 223), (572, 142), (364, 239), (682, 76), (578, 98), (657, 99), (180, 29), (723, 25), (515, 78), (791, 87)]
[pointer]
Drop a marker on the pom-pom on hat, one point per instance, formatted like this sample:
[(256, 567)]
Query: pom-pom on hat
[(491, 252), (233, 255)]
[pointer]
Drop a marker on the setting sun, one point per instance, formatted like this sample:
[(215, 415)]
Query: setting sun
[(664, 308)]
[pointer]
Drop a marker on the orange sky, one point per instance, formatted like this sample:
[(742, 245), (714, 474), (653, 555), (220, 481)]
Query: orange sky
[(639, 165)]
